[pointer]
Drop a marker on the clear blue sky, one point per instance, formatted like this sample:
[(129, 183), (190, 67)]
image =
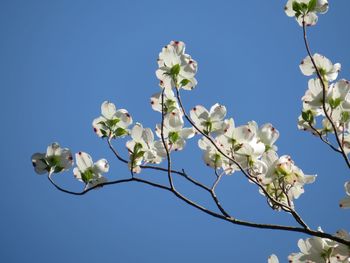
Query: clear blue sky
[(60, 59)]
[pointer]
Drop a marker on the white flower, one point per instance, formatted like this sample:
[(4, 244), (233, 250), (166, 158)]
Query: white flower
[(243, 140), (341, 252), (55, 160), (302, 11), (314, 94), (322, 250), (268, 135), (328, 71), (284, 181), (273, 259), (213, 158), (209, 121), (143, 148), (170, 102), (176, 69), (345, 202), (88, 172), (113, 123), (174, 132)]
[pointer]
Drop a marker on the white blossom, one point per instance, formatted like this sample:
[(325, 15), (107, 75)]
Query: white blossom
[(327, 69), (113, 123), (302, 11), (173, 131), (209, 121), (143, 148), (176, 69), (55, 160), (89, 172)]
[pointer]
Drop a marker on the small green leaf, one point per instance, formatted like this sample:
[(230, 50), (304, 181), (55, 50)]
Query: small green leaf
[(307, 116), (120, 132), (311, 6), (139, 154), (174, 137), (137, 147), (345, 116), (334, 103), (87, 176), (296, 7), (184, 82), (112, 123), (175, 70)]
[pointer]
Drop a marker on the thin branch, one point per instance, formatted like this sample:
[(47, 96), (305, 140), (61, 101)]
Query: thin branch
[(165, 144), (324, 96), (325, 140)]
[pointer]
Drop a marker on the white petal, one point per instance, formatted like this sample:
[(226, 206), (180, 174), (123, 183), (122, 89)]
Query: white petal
[(97, 126), (66, 159), (307, 67), (273, 259), (187, 133), (108, 109), (217, 112), (199, 114), (39, 164), (124, 117), (77, 174), (148, 136), (347, 188), (53, 149), (83, 160), (136, 132), (101, 166)]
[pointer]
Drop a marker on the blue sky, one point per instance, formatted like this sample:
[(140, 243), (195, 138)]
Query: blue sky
[(59, 60)]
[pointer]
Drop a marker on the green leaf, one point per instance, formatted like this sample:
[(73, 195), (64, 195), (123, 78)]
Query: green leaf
[(137, 147), (311, 6), (120, 132), (296, 7), (175, 70), (139, 154), (184, 82), (345, 116), (111, 123), (334, 103), (307, 116), (174, 137), (87, 176), (303, 8)]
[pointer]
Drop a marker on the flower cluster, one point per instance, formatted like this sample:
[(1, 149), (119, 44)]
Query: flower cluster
[(113, 123), (55, 160), (176, 69), (322, 250), (250, 148), (59, 159), (305, 11), (326, 100), (89, 172)]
